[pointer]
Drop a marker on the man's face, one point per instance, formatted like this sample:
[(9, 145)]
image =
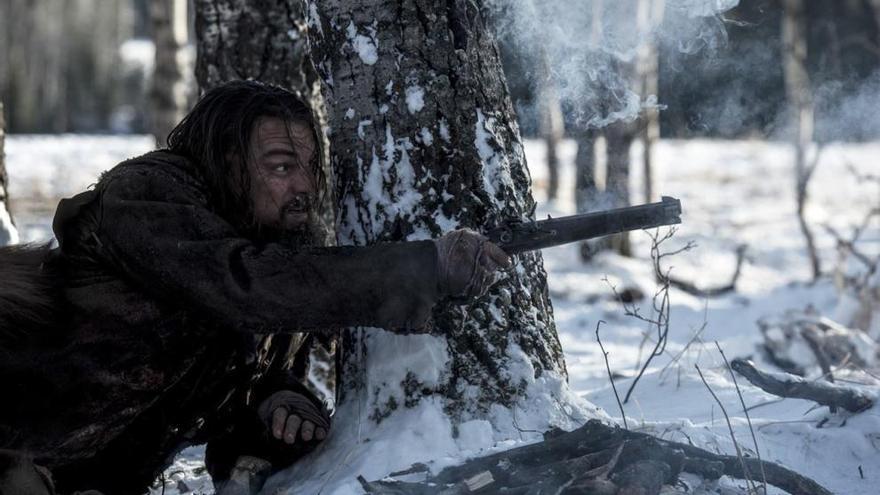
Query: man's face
[(281, 173)]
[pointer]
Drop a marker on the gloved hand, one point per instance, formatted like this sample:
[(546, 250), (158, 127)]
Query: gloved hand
[(468, 263), (292, 416)]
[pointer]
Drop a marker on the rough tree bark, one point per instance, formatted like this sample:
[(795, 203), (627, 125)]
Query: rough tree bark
[(8, 233), (423, 141), (800, 97), (169, 92)]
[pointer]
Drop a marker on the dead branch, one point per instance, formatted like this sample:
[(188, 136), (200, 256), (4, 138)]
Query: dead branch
[(596, 459), (791, 386), (692, 289), (739, 453), (610, 376), (745, 411), (660, 303)]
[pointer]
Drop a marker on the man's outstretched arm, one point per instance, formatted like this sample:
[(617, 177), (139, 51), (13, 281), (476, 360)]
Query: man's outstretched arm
[(159, 233)]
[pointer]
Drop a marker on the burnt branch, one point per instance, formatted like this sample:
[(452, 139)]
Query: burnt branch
[(791, 386), (597, 459)]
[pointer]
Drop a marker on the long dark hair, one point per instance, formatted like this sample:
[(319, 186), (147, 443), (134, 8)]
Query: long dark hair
[(220, 125)]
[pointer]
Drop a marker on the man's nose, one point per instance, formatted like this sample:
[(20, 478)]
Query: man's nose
[(301, 182)]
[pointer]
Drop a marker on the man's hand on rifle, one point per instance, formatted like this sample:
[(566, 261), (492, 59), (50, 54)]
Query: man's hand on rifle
[(469, 263)]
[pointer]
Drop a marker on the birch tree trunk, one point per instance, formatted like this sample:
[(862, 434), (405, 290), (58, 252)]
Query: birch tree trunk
[(424, 140), (650, 15), (551, 124), (168, 94), (8, 233), (800, 98)]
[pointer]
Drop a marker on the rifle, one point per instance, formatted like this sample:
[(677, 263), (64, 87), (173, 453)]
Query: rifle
[(519, 236)]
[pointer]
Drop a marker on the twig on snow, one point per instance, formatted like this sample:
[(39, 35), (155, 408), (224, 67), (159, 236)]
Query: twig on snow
[(610, 377), (746, 411), (660, 303), (739, 453)]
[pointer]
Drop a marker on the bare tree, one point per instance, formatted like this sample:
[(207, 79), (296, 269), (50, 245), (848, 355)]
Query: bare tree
[(8, 234), (61, 62), (169, 91), (649, 16), (800, 97), (551, 125)]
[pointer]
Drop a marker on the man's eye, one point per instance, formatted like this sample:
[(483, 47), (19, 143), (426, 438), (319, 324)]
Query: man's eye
[(280, 168)]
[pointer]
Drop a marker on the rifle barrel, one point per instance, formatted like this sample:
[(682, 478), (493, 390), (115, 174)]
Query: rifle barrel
[(528, 236)]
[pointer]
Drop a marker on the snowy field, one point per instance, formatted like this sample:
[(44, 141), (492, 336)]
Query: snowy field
[(733, 193)]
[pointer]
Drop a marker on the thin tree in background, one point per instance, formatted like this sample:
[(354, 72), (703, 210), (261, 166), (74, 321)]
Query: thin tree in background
[(8, 233), (169, 90), (649, 16), (61, 64), (550, 121), (800, 98), (875, 8)]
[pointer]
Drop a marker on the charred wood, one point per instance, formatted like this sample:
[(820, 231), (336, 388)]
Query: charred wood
[(596, 458)]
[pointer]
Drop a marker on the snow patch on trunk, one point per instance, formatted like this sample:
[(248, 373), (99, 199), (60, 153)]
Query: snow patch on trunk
[(415, 99), (367, 47), (8, 232), (496, 165), (403, 200)]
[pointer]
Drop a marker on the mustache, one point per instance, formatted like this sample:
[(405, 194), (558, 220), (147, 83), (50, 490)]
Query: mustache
[(301, 203)]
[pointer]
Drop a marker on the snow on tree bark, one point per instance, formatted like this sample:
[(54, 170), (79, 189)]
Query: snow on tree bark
[(8, 233), (424, 140)]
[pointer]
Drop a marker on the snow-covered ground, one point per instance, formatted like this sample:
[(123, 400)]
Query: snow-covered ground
[(733, 193)]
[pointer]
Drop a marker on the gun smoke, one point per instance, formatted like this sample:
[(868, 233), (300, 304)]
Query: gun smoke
[(586, 49)]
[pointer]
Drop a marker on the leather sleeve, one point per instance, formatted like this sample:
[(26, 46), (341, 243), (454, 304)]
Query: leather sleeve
[(157, 230)]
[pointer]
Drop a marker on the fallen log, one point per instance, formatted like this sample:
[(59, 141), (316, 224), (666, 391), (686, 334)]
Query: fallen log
[(595, 459), (791, 386)]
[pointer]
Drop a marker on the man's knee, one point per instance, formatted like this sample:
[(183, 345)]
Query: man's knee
[(20, 476)]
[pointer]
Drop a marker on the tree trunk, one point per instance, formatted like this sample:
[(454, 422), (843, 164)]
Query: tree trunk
[(875, 9), (619, 137), (650, 15), (168, 94), (552, 128), (8, 233), (424, 140), (800, 98)]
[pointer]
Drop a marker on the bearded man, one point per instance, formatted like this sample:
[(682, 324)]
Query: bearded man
[(181, 301)]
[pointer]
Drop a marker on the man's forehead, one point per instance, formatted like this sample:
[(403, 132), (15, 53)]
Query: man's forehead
[(276, 136)]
